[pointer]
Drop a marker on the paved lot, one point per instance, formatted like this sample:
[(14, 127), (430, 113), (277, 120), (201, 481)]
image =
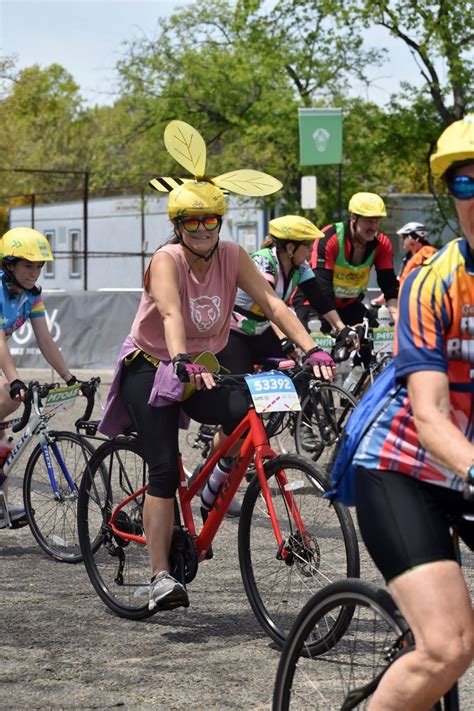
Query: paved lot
[(62, 649)]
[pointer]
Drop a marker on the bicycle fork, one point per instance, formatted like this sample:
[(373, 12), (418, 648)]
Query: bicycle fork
[(45, 448)]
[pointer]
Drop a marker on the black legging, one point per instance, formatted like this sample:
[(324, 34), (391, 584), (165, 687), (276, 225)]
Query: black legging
[(158, 427), (242, 352)]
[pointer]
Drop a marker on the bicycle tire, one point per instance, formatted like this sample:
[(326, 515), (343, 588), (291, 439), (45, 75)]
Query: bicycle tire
[(320, 422), (278, 588), (313, 675), (53, 520), (118, 570)]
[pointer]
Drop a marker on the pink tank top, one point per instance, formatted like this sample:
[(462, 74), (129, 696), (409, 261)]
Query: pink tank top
[(206, 306)]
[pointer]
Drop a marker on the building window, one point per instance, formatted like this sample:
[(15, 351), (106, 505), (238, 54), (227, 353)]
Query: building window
[(48, 269), (75, 249)]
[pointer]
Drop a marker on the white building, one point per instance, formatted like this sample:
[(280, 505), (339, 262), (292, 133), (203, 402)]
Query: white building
[(123, 232)]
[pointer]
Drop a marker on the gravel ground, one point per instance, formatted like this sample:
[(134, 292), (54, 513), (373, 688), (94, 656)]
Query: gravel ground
[(62, 649)]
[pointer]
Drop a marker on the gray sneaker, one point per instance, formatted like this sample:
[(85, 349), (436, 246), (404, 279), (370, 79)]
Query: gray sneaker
[(165, 586)]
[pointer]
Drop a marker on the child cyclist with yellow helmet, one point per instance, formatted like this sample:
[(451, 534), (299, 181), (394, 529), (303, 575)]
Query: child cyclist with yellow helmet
[(186, 308), (283, 261), (24, 252)]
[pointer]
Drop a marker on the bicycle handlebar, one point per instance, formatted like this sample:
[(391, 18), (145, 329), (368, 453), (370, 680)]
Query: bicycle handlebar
[(35, 392)]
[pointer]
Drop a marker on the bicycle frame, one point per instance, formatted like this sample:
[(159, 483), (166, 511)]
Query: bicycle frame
[(36, 426), (255, 444)]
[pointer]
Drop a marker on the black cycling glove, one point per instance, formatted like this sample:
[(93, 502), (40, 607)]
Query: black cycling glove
[(15, 387), (287, 346)]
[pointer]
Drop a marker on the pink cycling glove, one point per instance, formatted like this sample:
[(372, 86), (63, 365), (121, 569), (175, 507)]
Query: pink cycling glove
[(184, 371), (319, 358)]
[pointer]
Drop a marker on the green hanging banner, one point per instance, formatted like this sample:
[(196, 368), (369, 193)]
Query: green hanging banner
[(320, 136)]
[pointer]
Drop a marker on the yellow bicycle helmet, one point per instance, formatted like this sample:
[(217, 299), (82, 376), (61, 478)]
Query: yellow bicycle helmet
[(196, 198), (294, 228), (25, 243), (367, 205), (456, 143)]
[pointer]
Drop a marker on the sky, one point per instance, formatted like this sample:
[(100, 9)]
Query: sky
[(87, 38)]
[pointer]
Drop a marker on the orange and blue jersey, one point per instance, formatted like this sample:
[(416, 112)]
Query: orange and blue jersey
[(435, 331), (18, 308)]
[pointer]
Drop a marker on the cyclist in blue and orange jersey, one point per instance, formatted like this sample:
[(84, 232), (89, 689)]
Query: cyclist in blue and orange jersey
[(283, 261), (342, 262), (24, 252), (415, 465)]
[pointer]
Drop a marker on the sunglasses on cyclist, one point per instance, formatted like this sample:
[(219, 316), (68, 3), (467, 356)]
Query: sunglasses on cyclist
[(209, 222), (461, 187)]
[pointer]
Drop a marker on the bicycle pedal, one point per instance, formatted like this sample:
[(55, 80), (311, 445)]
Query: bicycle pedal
[(171, 603)]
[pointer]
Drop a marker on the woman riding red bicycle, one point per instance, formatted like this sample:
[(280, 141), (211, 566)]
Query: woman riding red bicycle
[(189, 292)]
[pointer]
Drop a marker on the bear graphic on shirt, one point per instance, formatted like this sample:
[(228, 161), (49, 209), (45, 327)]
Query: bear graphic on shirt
[(205, 311)]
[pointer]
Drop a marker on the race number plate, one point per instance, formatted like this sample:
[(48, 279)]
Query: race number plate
[(273, 392), (323, 340), (61, 398), (383, 339)]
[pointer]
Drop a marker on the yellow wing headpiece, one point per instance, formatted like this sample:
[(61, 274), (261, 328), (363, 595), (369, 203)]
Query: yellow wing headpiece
[(186, 145)]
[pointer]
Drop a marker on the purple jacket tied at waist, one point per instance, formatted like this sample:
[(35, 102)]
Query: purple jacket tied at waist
[(167, 389)]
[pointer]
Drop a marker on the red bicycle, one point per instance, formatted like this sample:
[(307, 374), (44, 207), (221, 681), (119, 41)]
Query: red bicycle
[(292, 542)]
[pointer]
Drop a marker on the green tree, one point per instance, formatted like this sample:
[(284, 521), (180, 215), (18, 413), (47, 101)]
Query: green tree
[(439, 35), (239, 75), (42, 120)]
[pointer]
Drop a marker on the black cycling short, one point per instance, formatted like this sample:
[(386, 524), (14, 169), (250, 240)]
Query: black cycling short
[(243, 352), (405, 522), (158, 427)]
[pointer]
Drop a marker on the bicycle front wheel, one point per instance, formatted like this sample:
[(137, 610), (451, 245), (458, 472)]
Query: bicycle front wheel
[(52, 515), (279, 580), (118, 569), (318, 670), (319, 424)]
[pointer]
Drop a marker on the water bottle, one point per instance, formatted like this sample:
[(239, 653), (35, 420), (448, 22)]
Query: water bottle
[(353, 378), (314, 325), (215, 481), (384, 317)]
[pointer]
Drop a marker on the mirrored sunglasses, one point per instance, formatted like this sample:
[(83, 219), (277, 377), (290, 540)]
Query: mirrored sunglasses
[(462, 187), (209, 222)]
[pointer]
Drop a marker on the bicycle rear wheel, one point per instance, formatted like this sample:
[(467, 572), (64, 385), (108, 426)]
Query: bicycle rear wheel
[(319, 424), (317, 669), (119, 570), (279, 581), (53, 516)]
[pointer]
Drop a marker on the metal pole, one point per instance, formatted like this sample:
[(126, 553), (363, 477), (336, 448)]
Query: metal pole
[(33, 202), (340, 189), (85, 227)]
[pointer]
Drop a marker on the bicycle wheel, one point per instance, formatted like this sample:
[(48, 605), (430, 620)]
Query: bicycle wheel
[(53, 516), (119, 570), (279, 580), (319, 424), (317, 670)]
